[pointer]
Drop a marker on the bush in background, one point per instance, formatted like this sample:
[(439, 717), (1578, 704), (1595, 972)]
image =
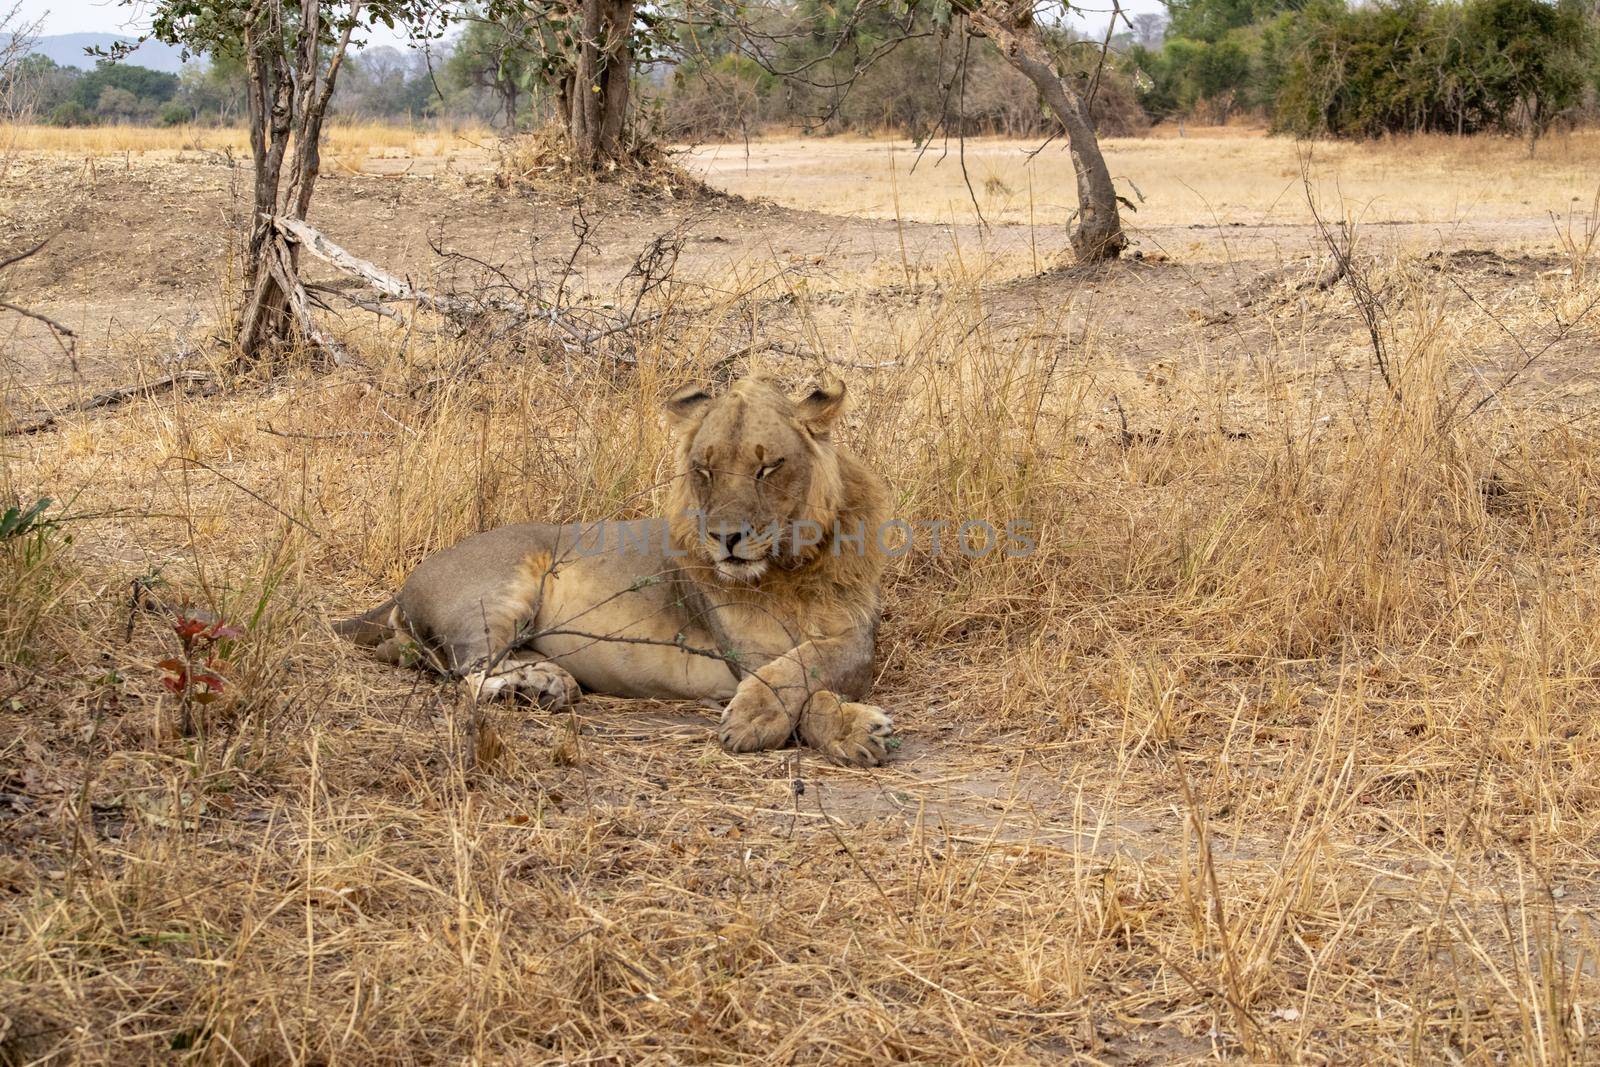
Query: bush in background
[(1399, 66)]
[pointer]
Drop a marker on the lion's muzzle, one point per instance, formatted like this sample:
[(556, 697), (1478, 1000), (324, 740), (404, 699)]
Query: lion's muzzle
[(738, 551)]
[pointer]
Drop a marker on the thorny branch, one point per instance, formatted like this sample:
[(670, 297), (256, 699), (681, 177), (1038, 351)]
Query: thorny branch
[(1342, 246)]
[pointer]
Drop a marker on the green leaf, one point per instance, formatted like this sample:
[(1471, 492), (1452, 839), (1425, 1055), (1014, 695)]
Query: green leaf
[(15, 522)]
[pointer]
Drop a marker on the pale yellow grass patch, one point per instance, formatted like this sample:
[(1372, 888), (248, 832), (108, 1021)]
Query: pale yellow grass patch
[(343, 139), (1208, 176)]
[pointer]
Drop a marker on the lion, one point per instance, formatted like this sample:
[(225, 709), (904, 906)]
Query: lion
[(760, 587)]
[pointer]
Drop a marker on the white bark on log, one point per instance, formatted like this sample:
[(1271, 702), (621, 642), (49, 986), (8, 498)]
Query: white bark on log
[(454, 308), (387, 284)]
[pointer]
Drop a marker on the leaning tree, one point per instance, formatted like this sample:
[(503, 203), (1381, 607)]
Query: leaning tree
[(1025, 33), (586, 53), (293, 51), (1015, 28)]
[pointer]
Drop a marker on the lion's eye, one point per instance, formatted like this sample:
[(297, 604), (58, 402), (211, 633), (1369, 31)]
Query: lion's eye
[(768, 469), (703, 472)]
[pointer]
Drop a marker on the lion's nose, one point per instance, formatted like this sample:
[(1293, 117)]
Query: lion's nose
[(728, 540)]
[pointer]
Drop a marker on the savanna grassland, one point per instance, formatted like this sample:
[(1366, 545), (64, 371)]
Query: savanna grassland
[(1282, 746)]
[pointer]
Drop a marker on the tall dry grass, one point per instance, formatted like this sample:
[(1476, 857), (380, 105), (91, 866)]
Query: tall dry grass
[(1281, 746)]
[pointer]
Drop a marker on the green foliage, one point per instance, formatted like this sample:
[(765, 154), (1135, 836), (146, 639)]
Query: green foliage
[(1189, 75), (1413, 66), (216, 27), (386, 83), (121, 92), (214, 91), (18, 522), (494, 57), (1526, 52), (867, 66), (29, 577), (1211, 20), (1328, 68), (70, 114), (174, 113), (546, 35), (148, 87), (112, 92)]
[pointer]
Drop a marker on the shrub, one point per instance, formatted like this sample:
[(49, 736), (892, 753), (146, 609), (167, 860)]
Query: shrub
[(1412, 66), (71, 113), (30, 577), (174, 113)]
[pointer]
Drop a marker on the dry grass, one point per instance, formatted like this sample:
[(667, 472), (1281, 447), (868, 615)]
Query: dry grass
[(347, 142), (1209, 176), (1282, 746), (1227, 176)]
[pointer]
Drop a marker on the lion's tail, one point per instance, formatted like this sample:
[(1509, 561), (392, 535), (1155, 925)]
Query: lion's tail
[(370, 628)]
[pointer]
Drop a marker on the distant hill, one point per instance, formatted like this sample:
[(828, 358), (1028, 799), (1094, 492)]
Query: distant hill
[(67, 49)]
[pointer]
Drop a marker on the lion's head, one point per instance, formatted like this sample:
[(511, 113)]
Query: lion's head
[(757, 482)]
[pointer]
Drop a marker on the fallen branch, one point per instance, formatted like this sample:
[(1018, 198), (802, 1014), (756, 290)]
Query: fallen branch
[(1278, 285), (25, 254), (64, 336), (376, 306), (318, 245), (114, 398), (1342, 245), (525, 308)]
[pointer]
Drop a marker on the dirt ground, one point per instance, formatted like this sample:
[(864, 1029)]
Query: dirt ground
[(139, 244), (996, 813)]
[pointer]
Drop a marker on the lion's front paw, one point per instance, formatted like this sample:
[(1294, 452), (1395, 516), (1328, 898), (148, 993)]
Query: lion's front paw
[(846, 733), (544, 683), (755, 719)]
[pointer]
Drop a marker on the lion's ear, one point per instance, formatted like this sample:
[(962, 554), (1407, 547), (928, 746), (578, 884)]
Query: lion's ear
[(822, 404), (686, 405)]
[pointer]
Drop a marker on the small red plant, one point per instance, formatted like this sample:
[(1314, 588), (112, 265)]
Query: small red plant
[(193, 674)]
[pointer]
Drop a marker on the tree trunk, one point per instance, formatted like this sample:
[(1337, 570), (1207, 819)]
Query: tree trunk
[(564, 95), (508, 100), (596, 108), (1098, 235), (264, 321), (585, 123), (618, 61), (276, 301), (316, 89)]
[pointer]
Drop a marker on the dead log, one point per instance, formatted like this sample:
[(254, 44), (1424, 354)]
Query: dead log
[(461, 311), (342, 289), (396, 288), (117, 397)]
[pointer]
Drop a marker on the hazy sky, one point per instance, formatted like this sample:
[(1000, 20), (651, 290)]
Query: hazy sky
[(110, 16)]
